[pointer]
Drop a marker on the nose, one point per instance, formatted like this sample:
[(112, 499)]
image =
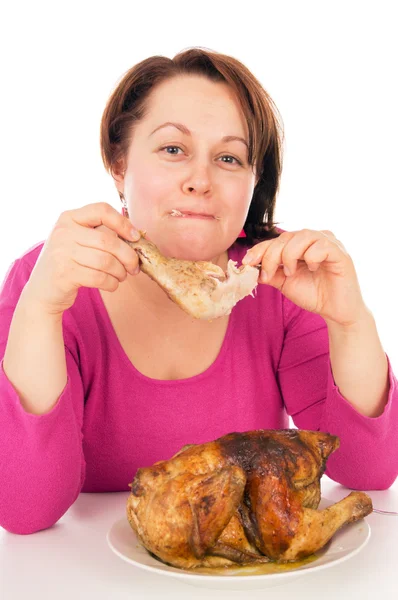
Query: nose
[(198, 180)]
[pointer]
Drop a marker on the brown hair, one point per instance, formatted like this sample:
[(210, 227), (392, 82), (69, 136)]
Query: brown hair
[(127, 105)]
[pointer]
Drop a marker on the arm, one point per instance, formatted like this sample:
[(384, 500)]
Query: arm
[(34, 360), (359, 364), (368, 453), (41, 390), (318, 275), (42, 465)]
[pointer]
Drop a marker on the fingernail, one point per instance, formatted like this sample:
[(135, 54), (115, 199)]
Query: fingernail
[(249, 256), (263, 276), (134, 234), (135, 271), (286, 271)]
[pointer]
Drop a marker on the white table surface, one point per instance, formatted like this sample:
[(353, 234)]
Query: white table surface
[(72, 560)]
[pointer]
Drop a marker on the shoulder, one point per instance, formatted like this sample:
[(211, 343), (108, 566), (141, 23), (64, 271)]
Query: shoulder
[(20, 269), (30, 256)]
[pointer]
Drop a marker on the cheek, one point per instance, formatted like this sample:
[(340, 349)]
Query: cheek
[(238, 194), (147, 181), (147, 189)]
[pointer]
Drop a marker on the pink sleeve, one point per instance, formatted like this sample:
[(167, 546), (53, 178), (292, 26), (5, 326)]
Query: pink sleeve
[(368, 454), (42, 466)]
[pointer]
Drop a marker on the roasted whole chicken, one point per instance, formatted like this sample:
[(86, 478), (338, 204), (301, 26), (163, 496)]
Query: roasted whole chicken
[(200, 288), (244, 498)]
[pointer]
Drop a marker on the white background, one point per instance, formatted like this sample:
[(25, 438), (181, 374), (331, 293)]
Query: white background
[(331, 69)]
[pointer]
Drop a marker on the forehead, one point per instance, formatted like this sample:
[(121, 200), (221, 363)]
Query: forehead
[(197, 102)]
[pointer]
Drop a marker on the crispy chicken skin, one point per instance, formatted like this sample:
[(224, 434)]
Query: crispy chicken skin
[(244, 498), (201, 288)]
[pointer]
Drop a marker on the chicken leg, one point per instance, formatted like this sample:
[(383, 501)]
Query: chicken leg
[(318, 526), (202, 289)]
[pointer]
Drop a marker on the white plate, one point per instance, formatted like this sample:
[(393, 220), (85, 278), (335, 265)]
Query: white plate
[(344, 545)]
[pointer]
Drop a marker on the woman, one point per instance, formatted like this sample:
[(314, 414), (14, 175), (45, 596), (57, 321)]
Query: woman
[(103, 374)]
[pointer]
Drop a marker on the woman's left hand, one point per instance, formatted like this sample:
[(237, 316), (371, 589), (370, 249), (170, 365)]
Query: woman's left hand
[(318, 274)]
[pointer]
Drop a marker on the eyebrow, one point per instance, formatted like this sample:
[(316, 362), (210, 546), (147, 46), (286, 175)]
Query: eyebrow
[(185, 130)]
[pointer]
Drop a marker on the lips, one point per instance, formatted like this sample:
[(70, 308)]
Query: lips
[(191, 214)]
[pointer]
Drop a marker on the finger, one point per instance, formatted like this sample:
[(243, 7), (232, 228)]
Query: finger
[(255, 254), (276, 281), (334, 240), (272, 257), (99, 261), (328, 233), (87, 277), (295, 248), (319, 252), (289, 258), (101, 213), (109, 243)]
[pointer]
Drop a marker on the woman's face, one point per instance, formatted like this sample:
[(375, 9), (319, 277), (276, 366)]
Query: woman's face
[(188, 185)]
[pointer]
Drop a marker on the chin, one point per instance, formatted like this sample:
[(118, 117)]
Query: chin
[(191, 242), (191, 247)]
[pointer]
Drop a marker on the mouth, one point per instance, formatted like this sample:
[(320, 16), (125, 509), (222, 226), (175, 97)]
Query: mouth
[(188, 214)]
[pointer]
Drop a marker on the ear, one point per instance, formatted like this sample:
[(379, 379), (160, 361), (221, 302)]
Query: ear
[(117, 171)]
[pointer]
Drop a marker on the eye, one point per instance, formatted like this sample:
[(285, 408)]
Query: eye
[(223, 156), (233, 158), (172, 147)]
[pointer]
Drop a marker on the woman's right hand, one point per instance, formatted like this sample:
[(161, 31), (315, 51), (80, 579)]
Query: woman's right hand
[(78, 255)]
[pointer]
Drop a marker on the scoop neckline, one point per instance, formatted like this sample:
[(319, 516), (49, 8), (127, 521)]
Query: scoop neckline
[(163, 382)]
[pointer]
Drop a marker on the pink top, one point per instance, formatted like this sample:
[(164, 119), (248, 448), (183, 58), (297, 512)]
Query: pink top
[(111, 419)]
